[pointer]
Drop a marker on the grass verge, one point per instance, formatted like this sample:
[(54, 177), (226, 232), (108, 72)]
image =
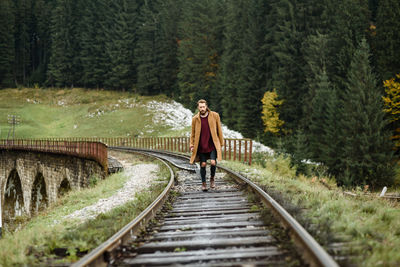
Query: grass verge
[(368, 227), (78, 112), (51, 239)]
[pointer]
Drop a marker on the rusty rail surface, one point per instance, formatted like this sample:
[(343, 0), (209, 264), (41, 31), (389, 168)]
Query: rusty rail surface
[(233, 149), (96, 151)]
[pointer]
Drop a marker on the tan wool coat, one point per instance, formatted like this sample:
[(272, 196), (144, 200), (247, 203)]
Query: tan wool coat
[(216, 133)]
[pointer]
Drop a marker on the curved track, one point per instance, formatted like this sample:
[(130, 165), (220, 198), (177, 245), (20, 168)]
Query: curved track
[(215, 228)]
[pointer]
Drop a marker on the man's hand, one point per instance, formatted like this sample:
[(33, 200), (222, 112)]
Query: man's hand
[(191, 149)]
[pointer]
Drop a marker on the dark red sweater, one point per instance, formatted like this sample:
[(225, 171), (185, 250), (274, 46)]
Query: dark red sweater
[(206, 143)]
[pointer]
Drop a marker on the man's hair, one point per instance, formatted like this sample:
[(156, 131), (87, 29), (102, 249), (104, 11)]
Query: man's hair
[(201, 101)]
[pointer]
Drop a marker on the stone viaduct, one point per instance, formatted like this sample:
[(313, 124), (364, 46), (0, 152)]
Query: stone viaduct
[(30, 181)]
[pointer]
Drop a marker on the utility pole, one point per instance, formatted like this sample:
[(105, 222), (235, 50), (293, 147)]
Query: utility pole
[(13, 120)]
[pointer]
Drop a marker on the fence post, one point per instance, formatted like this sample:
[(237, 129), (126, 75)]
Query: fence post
[(224, 155), (240, 149), (245, 151), (251, 151), (230, 149), (234, 150)]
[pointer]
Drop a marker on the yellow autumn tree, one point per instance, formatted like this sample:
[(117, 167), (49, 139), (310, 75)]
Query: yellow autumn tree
[(270, 112), (392, 106)]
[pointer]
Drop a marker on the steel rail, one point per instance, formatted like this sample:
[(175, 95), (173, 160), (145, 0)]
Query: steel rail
[(146, 152), (99, 255), (314, 253)]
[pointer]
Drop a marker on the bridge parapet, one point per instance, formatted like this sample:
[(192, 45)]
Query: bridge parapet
[(96, 151)]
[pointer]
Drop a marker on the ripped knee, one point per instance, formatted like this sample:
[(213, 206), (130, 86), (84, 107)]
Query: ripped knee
[(213, 162), (203, 164)]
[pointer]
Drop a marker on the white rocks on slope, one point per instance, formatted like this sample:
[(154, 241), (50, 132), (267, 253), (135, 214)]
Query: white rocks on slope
[(140, 177), (178, 117)]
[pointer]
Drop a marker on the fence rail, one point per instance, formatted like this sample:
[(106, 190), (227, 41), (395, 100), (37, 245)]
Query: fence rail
[(85, 149), (233, 149)]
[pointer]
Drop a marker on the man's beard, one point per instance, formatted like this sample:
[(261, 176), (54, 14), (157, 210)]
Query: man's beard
[(202, 112)]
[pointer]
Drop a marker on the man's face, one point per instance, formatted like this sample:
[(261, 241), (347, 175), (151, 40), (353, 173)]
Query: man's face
[(202, 108)]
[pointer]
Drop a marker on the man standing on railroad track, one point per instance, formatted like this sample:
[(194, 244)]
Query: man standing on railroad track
[(206, 140)]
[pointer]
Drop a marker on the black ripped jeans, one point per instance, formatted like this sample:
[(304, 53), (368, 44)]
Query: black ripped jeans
[(203, 158)]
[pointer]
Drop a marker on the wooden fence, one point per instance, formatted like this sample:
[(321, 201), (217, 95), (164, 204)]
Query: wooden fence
[(233, 149), (93, 150)]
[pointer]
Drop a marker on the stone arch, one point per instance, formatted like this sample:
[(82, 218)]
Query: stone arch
[(13, 197), (39, 197), (64, 187)]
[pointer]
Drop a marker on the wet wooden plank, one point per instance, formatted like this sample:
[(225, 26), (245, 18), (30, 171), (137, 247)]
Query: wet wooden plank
[(230, 218), (210, 232), (210, 225), (204, 255), (200, 243), (208, 212), (219, 208)]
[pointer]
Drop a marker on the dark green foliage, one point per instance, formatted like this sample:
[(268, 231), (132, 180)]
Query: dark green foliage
[(350, 25), (121, 36), (251, 83), (227, 52), (156, 47), (242, 76), (282, 42), (365, 157), (6, 43), (315, 51), (200, 51), (92, 41), (388, 38), (64, 66), (319, 117), (147, 50), (230, 72)]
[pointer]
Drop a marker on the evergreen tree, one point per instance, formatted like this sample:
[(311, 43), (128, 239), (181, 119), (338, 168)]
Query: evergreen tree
[(331, 144), (284, 62), (349, 26), (387, 41), (169, 16), (251, 84), (230, 71), (147, 51), (6, 43), (366, 152), (23, 35), (121, 37), (41, 40), (92, 42), (318, 117), (64, 66), (200, 51), (316, 56)]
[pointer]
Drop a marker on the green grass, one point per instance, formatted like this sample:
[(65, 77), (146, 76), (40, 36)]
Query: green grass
[(75, 113), (371, 226), (35, 244)]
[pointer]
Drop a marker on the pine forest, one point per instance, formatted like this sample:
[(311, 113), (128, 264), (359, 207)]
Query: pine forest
[(318, 80)]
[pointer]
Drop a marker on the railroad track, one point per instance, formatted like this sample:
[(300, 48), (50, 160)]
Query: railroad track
[(220, 227)]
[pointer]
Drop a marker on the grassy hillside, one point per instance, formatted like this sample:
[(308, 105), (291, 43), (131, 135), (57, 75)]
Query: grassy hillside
[(79, 112)]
